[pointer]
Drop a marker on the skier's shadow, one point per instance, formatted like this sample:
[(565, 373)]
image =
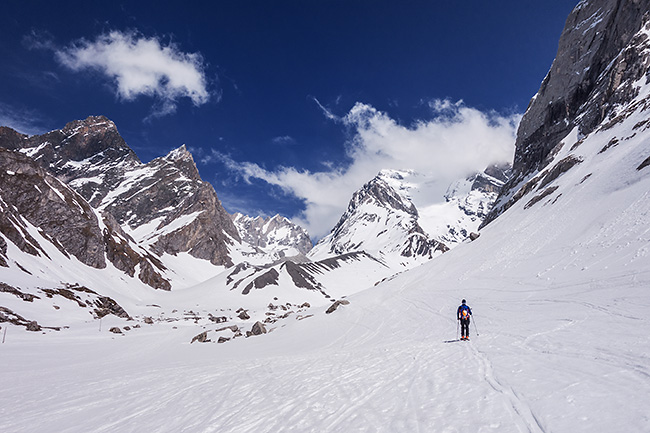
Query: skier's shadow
[(451, 341)]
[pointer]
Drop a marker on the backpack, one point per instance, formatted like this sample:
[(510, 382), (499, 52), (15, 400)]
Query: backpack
[(464, 312)]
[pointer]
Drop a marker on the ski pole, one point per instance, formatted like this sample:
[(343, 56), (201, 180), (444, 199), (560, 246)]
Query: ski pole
[(457, 332), (475, 328)]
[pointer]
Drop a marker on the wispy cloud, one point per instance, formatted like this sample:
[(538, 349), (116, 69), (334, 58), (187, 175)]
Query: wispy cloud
[(139, 65), (456, 141), (326, 111), (22, 120), (285, 139)]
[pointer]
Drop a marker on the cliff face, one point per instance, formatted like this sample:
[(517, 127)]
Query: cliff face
[(37, 208), (163, 205), (30, 196), (602, 56)]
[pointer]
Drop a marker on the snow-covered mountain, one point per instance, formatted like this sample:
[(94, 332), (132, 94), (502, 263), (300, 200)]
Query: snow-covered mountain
[(271, 238), (163, 204), (596, 82), (391, 217), (466, 204), (558, 284), (381, 220), (45, 225)]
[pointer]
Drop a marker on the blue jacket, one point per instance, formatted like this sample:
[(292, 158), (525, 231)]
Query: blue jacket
[(460, 310)]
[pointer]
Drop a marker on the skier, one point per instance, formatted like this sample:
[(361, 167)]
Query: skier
[(464, 313)]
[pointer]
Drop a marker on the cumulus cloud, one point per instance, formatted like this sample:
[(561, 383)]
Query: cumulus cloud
[(138, 65), (455, 142)]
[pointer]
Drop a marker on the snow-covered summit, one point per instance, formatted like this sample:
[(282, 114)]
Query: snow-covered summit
[(396, 218), (382, 220), (269, 239)]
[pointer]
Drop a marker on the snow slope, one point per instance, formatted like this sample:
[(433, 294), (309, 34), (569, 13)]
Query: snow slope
[(559, 290)]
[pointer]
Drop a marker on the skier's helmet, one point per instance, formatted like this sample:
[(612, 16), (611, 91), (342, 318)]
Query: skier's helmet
[(463, 301)]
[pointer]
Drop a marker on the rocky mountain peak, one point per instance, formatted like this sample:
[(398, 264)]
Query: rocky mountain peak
[(589, 62), (385, 190), (180, 154), (276, 236), (602, 60), (381, 220), (95, 137), (181, 159), (91, 124)]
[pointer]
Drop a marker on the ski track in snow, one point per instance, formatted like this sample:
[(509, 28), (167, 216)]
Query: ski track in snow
[(386, 372), (519, 406)]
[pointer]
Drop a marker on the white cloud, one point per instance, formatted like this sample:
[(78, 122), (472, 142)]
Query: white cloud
[(284, 139), (457, 141), (141, 66)]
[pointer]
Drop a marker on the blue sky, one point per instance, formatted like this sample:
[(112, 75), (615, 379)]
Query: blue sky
[(287, 106)]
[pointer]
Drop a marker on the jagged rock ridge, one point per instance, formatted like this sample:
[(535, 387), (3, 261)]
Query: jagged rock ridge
[(273, 237), (163, 204), (383, 219), (382, 222)]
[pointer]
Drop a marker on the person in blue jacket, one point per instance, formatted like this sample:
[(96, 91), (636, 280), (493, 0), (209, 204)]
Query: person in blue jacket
[(464, 314)]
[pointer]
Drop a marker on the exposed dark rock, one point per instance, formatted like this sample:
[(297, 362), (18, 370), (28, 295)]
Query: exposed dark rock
[(257, 329), (301, 277), (336, 305), (66, 293), (558, 169), (644, 164), (244, 315), (269, 277), (120, 252), (6, 288), (539, 197), (148, 320), (474, 236), (115, 330), (601, 54), (201, 338), (106, 306), (612, 143), (223, 339), (220, 319), (151, 277), (33, 326), (3, 253), (31, 194)]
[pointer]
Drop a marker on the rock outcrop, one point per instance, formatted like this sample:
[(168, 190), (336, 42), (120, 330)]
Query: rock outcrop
[(35, 204), (163, 205), (601, 59)]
